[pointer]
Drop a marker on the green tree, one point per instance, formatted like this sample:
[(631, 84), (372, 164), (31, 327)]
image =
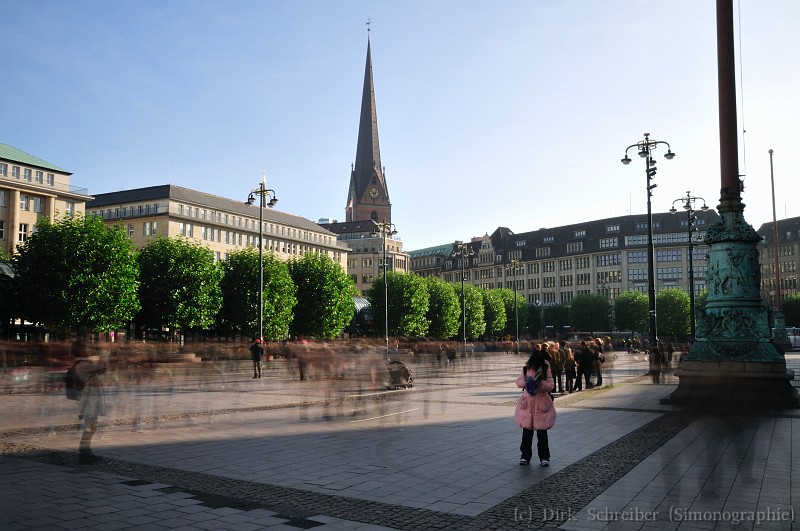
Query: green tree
[(78, 274), (791, 309), (180, 284), (672, 312), (476, 325), (408, 304), (239, 286), (325, 294), (558, 317), (444, 308), (590, 313), (494, 312), (521, 312), (631, 310)]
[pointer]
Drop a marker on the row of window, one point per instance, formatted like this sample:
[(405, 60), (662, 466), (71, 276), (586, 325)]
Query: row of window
[(26, 201), (26, 174)]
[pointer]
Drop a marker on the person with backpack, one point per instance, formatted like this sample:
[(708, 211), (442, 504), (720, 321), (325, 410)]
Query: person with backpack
[(91, 400), (535, 410)]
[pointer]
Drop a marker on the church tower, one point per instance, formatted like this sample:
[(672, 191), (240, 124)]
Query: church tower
[(368, 195)]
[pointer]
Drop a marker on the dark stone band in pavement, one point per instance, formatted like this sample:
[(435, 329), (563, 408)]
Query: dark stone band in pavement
[(568, 490)]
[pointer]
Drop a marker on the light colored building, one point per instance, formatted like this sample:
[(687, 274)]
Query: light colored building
[(607, 256), (32, 189), (223, 225), (788, 255)]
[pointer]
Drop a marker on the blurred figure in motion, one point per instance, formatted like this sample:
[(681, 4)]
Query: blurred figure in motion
[(655, 364), (91, 403)]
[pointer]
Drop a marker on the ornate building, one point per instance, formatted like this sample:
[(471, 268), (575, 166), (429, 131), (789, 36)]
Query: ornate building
[(607, 256), (368, 230)]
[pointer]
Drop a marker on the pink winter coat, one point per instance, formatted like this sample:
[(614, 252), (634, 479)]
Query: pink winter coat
[(536, 412)]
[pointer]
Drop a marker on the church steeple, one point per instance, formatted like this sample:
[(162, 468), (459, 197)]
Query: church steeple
[(368, 195)]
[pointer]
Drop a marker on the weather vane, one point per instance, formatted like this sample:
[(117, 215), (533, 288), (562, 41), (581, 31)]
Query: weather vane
[(369, 21)]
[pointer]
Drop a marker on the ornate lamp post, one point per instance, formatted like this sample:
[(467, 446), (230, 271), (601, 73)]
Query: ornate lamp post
[(263, 192), (464, 251), (646, 147), (385, 229), (689, 206), (515, 264)]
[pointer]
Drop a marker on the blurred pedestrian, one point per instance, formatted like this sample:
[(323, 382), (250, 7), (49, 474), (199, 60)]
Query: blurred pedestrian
[(91, 403), (655, 364)]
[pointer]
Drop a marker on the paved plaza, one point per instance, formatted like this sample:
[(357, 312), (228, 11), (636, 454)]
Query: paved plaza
[(212, 448)]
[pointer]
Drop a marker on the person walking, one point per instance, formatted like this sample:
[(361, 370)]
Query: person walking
[(91, 403), (256, 353), (557, 364), (535, 410), (655, 365), (570, 369)]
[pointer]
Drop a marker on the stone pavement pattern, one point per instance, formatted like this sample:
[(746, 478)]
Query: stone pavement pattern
[(279, 453)]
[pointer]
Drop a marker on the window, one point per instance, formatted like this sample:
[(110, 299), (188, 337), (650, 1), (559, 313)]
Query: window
[(27, 175), (39, 177), (612, 228), (38, 205), (23, 232), (637, 257), (605, 243), (180, 210), (575, 247), (548, 239), (542, 251), (24, 202), (641, 225), (130, 231), (15, 171), (50, 179), (4, 169), (69, 208), (580, 233), (3, 198), (2, 230), (669, 255), (608, 260)]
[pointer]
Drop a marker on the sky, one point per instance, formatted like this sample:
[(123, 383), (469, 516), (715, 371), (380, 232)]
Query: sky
[(491, 113)]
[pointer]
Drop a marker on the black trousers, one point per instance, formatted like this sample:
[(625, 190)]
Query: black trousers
[(542, 444)]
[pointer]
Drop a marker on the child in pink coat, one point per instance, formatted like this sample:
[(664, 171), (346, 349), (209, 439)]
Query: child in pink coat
[(535, 412)]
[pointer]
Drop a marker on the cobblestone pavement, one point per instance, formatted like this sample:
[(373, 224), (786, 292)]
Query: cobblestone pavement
[(218, 450)]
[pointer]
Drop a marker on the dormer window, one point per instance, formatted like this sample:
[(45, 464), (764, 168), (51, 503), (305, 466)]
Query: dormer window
[(580, 233)]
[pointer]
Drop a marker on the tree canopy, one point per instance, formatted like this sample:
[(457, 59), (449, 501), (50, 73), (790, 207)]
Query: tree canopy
[(240, 281), (631, 311), (180, 284), (78, 274), (444, 309), (590, 312), (325, 294), (672, 312)]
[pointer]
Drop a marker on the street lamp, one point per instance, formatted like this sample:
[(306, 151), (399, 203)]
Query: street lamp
[(646, 148), (385, 229), (263, 192), (689, 206), (463, 250), (515, 264)]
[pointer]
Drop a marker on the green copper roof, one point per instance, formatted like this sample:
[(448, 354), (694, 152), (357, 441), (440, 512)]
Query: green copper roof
[(17, 155)]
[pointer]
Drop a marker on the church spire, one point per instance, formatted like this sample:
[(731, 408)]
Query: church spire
[(368, 197)]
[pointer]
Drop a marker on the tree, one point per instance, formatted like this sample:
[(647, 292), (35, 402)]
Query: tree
[(631, 311), (590, 312), (521, 312), (494, 312), (79, 274), (558, 317), (672, 306), (180, 284), (444, 308), (791, 309), (476, 325), (325, 294), (239, 312), (408, 305)]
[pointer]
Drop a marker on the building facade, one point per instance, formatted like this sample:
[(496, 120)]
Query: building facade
[(32, 189), (223, 225), (551, 266), (368, 231), (788, 253)]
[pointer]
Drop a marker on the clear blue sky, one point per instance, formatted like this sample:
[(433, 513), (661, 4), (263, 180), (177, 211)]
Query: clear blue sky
[(491, 113)]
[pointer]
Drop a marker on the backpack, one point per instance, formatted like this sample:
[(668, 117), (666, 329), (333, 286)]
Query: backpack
[(73, 384)]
